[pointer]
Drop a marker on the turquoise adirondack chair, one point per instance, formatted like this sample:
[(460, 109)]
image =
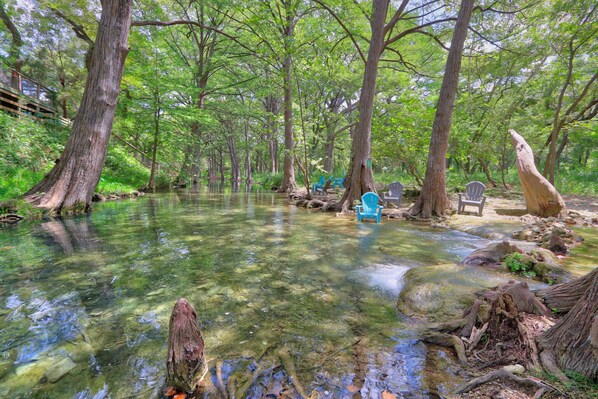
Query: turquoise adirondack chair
[(319, 184), (369, 207), (338, 182)]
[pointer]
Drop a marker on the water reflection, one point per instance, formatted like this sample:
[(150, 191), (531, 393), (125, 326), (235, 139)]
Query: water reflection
[(267, 279), (71, 234)]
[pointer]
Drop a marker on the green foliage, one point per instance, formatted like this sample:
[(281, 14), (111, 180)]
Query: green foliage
[(579, 386), (122, 173), (518, 263), (268, 180), (30, 149)]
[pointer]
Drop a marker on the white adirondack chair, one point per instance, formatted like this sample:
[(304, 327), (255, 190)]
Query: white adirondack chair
[(474, 195)]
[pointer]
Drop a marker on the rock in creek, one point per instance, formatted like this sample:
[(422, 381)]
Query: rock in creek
[(59, 370), (491, 255)]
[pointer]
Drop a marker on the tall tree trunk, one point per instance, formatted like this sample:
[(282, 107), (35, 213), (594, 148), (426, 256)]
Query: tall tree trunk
[(272, 106), (433, 198), (73, 179), (248, 177), (195, 148), (234, 158), (152, 179), (221, 162), (288, 179), (541, 198), (330, 137), (573, 341), (360, 178)]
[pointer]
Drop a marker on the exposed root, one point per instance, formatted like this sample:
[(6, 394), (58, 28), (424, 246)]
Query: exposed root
[(505, 374), (289, 366)]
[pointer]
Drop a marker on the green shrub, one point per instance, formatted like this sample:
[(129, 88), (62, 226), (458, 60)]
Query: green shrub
[(519, 264), (268, 180)]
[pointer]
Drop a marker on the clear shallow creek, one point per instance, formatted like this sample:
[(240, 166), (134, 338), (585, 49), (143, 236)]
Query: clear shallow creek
[(85, 302)]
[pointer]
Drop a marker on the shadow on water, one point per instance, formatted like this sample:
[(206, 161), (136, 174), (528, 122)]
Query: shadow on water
[(282, 294)]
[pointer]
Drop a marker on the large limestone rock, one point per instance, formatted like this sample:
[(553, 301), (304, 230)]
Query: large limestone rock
[(443, 292)]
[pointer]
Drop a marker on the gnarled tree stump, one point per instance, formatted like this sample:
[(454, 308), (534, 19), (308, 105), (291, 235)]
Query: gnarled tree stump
[(185, 364), (541, 198), (573, 342)]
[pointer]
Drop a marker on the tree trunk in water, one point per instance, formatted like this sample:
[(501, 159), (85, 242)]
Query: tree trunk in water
[(234, 159), (248, 177), (73, 179), (541, 198), (433, 198), (360, 179), (185, 364), (152, 179), (221, 164), (272, 106), (288, 179), (573, 341), (195, 169)]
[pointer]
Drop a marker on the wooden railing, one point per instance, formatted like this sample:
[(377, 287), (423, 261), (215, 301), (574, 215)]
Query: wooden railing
[(23, 96)]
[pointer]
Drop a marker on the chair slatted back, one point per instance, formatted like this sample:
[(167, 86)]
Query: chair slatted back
[(475, 190), (395, 189), (370, 202)]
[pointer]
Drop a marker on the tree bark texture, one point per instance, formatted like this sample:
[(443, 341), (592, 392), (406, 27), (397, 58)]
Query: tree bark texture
[(573, 341), (541, 198), (288, 178), (248, 177), (73, 179), (234, 158), (360, 178), (561, 298), (272, 106), (433, 198), (185, 364)]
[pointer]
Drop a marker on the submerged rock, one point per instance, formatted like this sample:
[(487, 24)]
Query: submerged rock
[(548, 268), (59, 370), (443, 292), (491, 255)]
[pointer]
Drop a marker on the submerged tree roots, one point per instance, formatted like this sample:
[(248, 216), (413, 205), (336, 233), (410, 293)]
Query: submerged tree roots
[(510, 324)]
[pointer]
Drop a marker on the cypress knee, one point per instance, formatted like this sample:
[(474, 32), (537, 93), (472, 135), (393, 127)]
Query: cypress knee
[(185, 363)]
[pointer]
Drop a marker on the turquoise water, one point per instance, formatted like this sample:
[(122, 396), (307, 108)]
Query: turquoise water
[(92, 295)]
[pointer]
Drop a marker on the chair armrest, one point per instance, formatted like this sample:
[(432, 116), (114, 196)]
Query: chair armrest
[(380, 207), (460, 197), (359, 208)]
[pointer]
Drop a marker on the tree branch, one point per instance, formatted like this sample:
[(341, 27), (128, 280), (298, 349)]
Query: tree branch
[(416, 29), (340, 22), (77, 28)]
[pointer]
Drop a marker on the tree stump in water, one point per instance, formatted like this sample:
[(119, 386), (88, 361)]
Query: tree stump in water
[(185, 363), (541, 198)]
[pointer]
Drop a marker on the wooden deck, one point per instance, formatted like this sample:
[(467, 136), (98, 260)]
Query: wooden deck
[(22, 96)]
